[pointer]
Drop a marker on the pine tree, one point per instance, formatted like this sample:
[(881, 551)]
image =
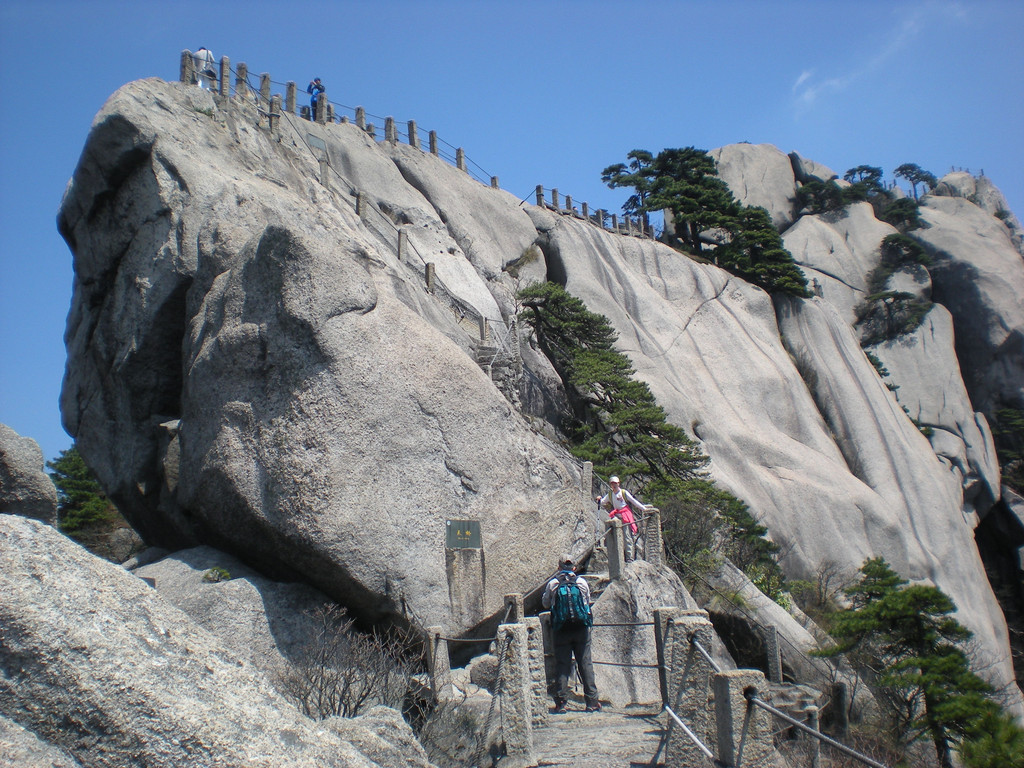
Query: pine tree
[(908, 636), (81, 502)]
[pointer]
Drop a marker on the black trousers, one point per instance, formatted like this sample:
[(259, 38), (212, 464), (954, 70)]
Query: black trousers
[(569, 643)]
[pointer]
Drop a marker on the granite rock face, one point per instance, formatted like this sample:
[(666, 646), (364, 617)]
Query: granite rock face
[(95, 663), (257, 367), (25, 488)]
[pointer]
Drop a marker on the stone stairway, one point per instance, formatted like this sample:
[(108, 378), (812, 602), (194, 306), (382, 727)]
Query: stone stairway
[(613, 738)]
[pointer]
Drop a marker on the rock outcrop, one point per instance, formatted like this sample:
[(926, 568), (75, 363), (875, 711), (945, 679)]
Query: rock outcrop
[(257, 367), (25, 488), (95, 663)]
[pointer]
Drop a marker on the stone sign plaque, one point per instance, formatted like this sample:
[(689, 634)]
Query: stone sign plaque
[(463, 534)]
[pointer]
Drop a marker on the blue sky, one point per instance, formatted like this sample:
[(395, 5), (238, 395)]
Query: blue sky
[(535, 92)]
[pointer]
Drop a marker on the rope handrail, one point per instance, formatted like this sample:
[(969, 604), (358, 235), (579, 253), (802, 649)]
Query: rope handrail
[(693, 737), (753, 699)]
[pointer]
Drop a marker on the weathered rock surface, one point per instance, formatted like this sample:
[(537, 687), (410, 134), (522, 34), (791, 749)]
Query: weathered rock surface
[(760, 175), (20, 748), (25, 488), (260, 620), (94, 662), (255, 367), (984, 194), (978, 275)]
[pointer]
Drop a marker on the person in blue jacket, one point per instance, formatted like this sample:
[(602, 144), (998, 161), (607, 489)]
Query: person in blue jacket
[(315, 88)]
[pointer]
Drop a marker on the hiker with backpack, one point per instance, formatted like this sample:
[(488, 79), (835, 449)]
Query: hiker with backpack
[(568, 597), (315, 89), (615, 501)]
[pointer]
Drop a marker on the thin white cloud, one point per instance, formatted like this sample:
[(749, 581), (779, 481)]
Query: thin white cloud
[(912, 23)]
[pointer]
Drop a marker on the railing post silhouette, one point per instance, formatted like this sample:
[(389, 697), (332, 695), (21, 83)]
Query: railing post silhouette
[(568, 203), (275, 114), (494, 183), (225, 76), (554, 198), (371, 131), (360, 205), (361, 117), (403, 244), (687, 682), (460, 159), (330, 112), (289, 96), (744, 730), (615, 223), (321, 108), (516, 692), (662, 617), (812, 715), (774, 652), (540, 196), (432, 138), (390, 134), (586, 212), (537, 669), (241, 81), (414, 139), (187, 70), (439, 664), (840, 709), (265, 90)]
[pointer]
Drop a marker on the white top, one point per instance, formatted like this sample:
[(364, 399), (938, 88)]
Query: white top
[(618, 500)]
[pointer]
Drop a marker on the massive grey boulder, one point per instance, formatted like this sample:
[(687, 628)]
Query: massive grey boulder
[(760, 175), (978, 275), (284, 383), (983, 193), (94, 662), (25, 488)]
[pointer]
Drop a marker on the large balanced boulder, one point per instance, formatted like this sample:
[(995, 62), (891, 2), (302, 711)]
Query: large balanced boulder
[(94, 662), (25, 488)]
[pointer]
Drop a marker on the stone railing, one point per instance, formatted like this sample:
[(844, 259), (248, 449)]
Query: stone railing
[(271, 107)]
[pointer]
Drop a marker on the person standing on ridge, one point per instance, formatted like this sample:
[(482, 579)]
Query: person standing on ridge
[(568, 597), (206, 74), (315, 88), (615, 501)]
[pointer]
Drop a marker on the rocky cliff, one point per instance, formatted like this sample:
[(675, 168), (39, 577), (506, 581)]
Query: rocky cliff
[(275, 339)]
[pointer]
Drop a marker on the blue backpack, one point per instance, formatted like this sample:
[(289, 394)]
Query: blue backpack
[(568, 608)]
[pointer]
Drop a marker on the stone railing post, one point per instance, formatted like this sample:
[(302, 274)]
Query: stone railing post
[(840, 709), (586, 212), (615, 223), (687, 685), (330, 112), (613, 542), (568, 203), (432, 139), (390, 133), (540, 195), (241, 81), (275, 114), (430, 277), (554, 198), (403, 244), (654, 544), (290, 91), (516, 693), (265, 90), (537, 670), (744, 730), (360, 204), (460, 159), (225, 76), (514, 605), (549, 648), (601, 213), (774, 652), (187, 72), (371, 131), (662, 617), (439, 664), (812, 721), (414, 139), (361, 117), (494, 183), (321, 108)]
